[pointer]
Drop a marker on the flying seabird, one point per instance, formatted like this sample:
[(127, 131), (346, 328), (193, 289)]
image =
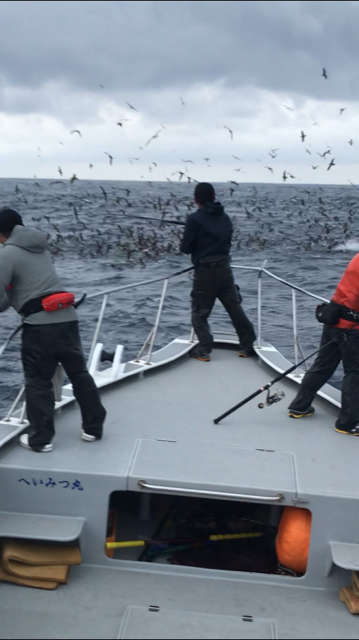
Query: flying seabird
[(230, 132), (153, 137), (110, 157)]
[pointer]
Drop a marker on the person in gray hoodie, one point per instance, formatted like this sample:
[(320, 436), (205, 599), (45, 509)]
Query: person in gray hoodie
[(27, 276)]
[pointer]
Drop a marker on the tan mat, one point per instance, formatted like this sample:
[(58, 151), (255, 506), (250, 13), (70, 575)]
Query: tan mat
[(24, 582), (352, 602), (39, 554), (54, 573), (355, 583)]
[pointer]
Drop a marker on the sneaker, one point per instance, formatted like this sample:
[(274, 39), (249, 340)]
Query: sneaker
[(247, 353), (351, 432), (88, 438), (201, 356), (301, 414), (24, 442)]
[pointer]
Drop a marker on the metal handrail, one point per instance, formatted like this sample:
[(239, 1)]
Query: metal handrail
[(150, 341), (210, 494), (282, 281)]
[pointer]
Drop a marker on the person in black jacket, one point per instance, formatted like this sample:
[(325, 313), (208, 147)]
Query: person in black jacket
[(207, 237)]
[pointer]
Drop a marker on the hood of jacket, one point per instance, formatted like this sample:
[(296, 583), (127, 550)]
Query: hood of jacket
[(27, 239), (214, 209)]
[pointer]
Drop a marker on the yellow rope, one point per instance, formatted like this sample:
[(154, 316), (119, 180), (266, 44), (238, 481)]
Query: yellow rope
[(142, 543)]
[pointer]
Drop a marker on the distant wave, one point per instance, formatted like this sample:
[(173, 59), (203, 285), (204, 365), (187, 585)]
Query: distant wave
[(350, 245)]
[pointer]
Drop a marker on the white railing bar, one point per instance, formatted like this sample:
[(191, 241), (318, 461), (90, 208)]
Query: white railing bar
[(303, 355), (236, 266), (295, 326), (14, 405), (137, 284), (158, 318), (23, 411), (143, 349), (293, 286), (259, 336), (98, 329)]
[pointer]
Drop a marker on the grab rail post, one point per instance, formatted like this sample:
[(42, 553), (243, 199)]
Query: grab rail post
[(14, 405), (259, 337), (98, 329), (158, 318), (23, 412), (143, 349), (295, 327)]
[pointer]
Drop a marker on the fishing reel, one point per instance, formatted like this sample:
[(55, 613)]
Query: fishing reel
[(272, 399)]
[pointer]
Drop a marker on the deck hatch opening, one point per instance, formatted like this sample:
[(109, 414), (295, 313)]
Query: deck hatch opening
[(203, 533)]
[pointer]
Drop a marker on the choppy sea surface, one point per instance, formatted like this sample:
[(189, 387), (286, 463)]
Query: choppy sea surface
[(307, 234)]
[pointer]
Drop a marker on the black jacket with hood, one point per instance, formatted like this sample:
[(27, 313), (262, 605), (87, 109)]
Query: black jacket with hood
[(208, 234)]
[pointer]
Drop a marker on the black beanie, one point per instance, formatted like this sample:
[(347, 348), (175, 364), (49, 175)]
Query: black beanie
[(9, 218), (204, 193)]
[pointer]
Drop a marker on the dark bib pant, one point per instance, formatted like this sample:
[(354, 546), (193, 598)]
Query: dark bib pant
[(345, 348), (210, 283), (43, 347)]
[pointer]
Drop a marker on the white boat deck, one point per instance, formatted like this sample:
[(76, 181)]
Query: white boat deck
[(95, 602), (160, 429), (178, 403)]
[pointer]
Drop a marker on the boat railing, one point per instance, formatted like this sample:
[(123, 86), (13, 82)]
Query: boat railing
[(149, 344)]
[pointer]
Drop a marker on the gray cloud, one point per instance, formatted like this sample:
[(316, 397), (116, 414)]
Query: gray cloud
[(133, 46), (235, 63)]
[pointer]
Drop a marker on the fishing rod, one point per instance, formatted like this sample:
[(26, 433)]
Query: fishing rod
[(161, 221), (276, 397), (96, 295), (11, 336)]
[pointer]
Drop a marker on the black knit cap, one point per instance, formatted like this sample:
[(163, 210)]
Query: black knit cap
[(9, 218), (204, 193)]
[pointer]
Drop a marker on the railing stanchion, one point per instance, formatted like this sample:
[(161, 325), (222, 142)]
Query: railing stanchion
[(158, 318), (23, 412), (295, 326), (14, 405), (98, 329), (143, 349), (259, 337)]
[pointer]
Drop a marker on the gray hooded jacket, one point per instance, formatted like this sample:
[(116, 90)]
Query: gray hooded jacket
[(26, 267)]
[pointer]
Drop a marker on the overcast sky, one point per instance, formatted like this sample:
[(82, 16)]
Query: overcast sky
[(233, 64)]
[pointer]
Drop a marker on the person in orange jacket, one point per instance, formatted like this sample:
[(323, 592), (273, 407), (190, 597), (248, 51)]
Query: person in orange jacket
[(340, 343)]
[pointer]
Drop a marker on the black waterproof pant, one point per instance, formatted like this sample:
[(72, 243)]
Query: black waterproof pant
[(43, 347), (345, 348), (210, 283)]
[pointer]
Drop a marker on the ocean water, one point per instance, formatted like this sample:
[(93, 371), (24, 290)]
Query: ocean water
[(307, 234)]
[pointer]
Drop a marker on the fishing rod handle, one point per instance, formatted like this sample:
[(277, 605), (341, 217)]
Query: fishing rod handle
[(241, 404)]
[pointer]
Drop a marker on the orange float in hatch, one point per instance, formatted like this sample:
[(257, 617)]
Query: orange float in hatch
[(293, 539)]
